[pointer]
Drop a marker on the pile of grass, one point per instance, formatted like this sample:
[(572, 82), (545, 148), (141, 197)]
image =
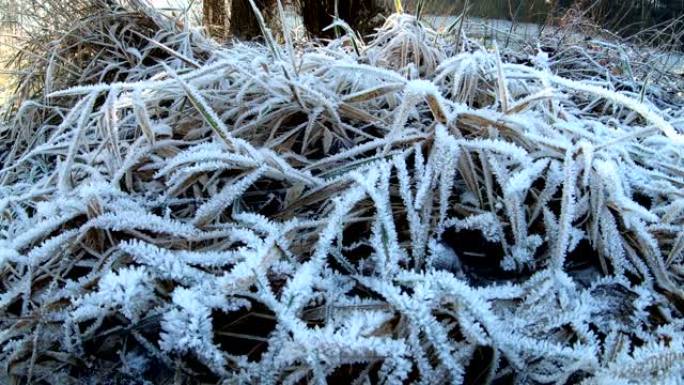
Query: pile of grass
[(414, 208)]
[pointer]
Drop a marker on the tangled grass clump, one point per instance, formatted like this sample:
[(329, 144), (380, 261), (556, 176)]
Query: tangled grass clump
[(421, 209)]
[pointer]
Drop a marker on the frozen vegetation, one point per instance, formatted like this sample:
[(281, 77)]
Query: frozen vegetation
[(412, 208)]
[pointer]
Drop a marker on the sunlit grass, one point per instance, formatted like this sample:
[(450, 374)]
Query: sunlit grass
[(5, 78), (6, 51)]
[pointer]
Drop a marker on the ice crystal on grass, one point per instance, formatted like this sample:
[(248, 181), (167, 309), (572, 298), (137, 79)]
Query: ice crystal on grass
[(128, 291), (418, 209)]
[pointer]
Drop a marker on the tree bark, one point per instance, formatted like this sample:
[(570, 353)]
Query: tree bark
[(216, 18), (240, 22), (243, 23), (361, 15)]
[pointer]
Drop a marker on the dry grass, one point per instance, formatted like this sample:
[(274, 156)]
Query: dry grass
[(409, 206), (6, 52)]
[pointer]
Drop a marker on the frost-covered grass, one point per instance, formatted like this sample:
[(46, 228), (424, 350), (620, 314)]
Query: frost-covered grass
[(412, 208)]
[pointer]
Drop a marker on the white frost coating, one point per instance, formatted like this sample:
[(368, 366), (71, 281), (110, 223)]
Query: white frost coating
[(128, 290), (421, 88), (220, 201), (613, 96), (521, 181), (370, 211)]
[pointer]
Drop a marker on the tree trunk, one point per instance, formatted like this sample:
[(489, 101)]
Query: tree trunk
[(359, 14), (241, 21), (216, 18)]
